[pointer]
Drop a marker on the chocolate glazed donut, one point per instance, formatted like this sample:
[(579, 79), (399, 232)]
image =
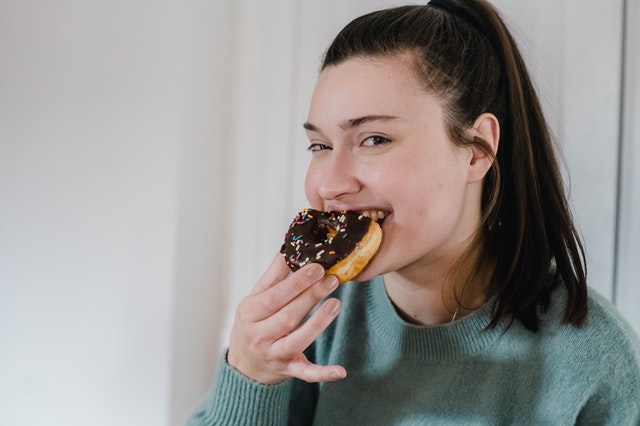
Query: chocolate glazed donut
[(342, 242)]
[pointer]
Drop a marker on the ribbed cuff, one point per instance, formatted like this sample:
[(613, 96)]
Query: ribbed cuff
[(238, 400)]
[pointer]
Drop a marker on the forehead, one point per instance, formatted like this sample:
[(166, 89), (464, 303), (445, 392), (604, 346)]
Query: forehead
[(367, 86)]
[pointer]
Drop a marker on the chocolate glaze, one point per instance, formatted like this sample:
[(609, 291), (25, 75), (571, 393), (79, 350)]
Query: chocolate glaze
[(322, 237)]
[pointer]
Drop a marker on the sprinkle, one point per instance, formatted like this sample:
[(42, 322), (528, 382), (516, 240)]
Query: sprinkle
[(332, 252)]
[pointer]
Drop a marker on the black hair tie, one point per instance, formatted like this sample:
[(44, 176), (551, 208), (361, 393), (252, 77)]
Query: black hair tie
[(454, 8)]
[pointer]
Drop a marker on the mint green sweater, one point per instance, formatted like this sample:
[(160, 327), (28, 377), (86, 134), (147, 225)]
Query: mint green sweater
[(454, 374)]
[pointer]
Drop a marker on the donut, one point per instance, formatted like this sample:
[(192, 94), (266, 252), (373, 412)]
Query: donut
[(342, 242)]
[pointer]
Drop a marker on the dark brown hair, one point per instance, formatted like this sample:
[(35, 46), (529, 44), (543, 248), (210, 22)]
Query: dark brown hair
[(466, 56)]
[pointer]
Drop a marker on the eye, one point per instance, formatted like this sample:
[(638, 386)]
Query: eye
[(375, 140), (315, 147)]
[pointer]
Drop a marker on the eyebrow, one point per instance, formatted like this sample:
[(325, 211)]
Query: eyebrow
[(354, 122)]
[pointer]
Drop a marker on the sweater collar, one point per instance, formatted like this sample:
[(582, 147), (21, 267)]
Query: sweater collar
[(459, 339)]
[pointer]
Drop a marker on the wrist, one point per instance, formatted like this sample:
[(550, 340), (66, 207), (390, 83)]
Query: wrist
[(251, 372)]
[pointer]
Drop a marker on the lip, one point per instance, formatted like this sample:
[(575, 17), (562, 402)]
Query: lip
[(358, 208)]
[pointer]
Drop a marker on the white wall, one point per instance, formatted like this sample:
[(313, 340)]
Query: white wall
[(151, 155), (627, 295), (200, 283), (112, 151), (88, 183)]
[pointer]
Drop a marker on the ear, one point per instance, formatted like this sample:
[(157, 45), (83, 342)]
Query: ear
[(487, 128)]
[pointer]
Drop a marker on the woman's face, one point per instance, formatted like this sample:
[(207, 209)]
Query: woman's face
[(379, 144)]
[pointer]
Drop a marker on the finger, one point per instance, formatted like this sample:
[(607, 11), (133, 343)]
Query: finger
[(275, 272), (294, 311), (303, 369), (261, 306), (300, 339)]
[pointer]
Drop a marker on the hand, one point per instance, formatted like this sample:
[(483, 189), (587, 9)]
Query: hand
[(268, 335)]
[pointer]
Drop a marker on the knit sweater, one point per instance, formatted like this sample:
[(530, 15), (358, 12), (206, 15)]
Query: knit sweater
[(452, 374)]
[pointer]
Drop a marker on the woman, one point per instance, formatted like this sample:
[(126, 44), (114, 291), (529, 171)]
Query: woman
[(475, 310)]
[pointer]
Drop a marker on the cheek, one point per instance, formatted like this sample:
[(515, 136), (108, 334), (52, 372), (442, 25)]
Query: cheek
[(423, 188)]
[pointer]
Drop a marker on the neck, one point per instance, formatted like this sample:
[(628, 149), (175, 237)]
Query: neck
[(437, 297)]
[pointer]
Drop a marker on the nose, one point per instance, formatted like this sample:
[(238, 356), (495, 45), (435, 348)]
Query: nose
[(334, 177)]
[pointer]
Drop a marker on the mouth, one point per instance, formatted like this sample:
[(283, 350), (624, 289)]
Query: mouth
[(375, 215)]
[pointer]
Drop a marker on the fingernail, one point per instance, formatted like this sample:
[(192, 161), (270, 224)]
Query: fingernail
[(315, 271), (338, 375), (332, 283), (334, 307)]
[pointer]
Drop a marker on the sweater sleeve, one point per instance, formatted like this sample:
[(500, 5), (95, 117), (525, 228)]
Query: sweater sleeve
[(237, 400), (614, 398), (612, 404)]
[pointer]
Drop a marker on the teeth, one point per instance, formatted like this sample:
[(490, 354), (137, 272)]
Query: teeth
[(375, 215)]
